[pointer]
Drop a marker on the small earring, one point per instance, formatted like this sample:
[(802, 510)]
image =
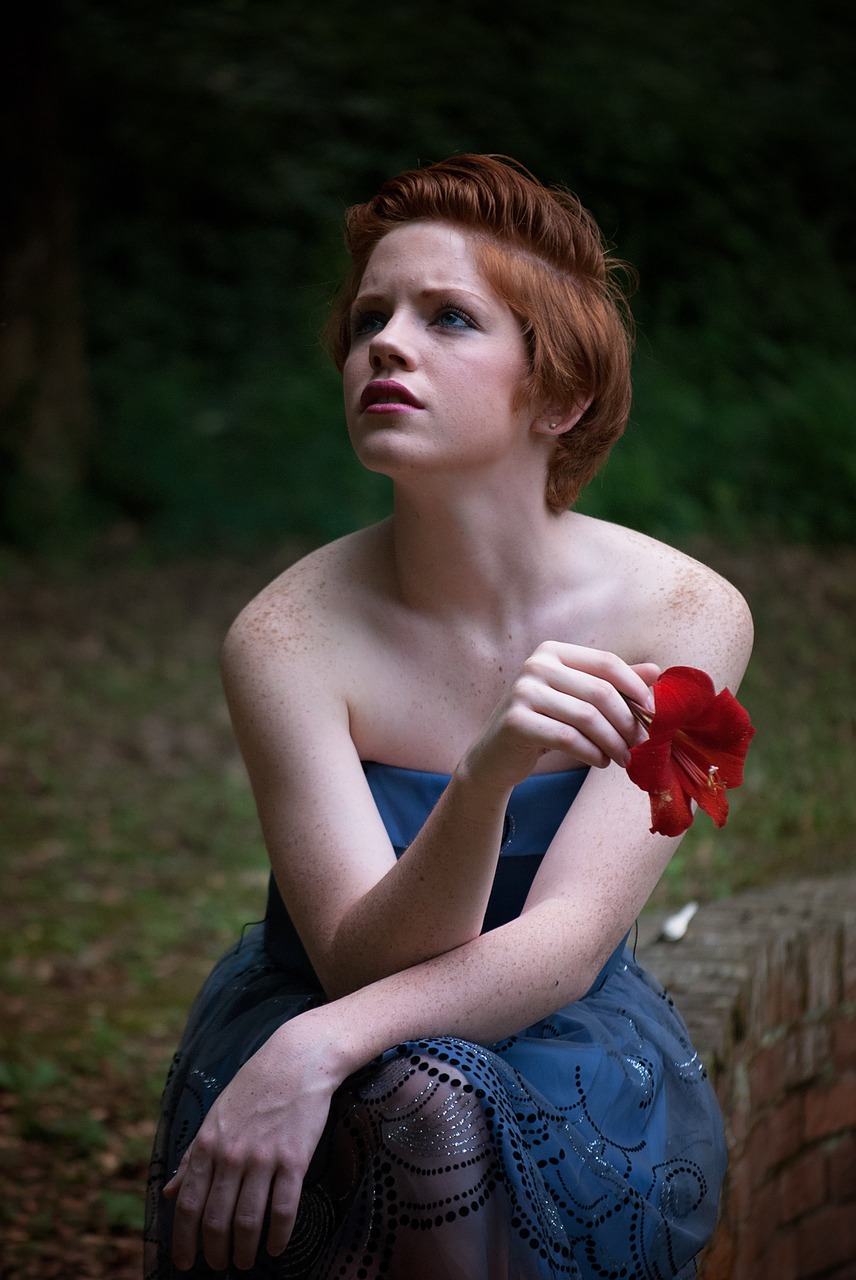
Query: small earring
[(553, 426)]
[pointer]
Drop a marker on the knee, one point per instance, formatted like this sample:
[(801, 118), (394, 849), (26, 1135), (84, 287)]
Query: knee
[(425, 1108)]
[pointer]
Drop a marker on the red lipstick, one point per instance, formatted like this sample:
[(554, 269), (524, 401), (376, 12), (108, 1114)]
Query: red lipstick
[(384, 396)]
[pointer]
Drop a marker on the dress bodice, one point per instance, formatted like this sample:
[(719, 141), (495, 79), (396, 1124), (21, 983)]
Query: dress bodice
[(405, 798)]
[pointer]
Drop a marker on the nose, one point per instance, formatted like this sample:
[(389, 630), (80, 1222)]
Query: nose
[(392, 346)]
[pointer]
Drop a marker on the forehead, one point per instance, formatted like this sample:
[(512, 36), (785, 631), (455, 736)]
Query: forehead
[(429, 255)]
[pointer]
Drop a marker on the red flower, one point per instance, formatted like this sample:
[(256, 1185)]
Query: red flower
[(697, 742)]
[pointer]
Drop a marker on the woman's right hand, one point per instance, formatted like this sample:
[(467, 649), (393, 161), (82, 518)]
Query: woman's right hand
[(565, 698), (254, 1147)]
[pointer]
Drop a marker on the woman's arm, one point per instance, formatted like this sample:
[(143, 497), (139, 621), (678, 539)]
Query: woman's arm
[(601, 868), (261, 1132), (362, 914)]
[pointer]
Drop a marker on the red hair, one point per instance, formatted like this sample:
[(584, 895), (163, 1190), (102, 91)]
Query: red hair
[(544, 255)]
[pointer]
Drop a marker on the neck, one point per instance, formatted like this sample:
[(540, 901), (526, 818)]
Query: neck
[(487, 558)]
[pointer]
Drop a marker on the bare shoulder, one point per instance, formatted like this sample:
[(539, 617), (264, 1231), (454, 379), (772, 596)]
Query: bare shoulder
[(678, 609), (291, 659), (303, 612)]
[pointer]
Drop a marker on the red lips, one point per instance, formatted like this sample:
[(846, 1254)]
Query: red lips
[(384, 391)]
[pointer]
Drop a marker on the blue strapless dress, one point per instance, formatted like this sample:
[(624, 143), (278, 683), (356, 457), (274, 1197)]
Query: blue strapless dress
[(588, 1145)]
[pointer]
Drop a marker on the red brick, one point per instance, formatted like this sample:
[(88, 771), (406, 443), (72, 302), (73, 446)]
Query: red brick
[(847, 1272), (745, 1268), (801, 1186), (848, 965), (844, 1044), (759, 1232), (801, 1056), (777, 1136), (831, 1110), (763, 993), (826, 1239), (717, 1260), (738, 1123), (767, 1074), (791, 961), (733, 1094), (779, 986), (781, 1259), (813, 1053), (824, 969), (841, 1168), (738, 1207)]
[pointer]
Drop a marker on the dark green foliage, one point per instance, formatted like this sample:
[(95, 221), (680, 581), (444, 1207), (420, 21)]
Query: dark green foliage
[(216, 145)]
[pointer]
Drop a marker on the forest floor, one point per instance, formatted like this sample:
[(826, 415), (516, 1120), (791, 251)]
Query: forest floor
[(130, 855)]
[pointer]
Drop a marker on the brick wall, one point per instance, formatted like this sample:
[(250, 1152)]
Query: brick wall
[(767, 983)]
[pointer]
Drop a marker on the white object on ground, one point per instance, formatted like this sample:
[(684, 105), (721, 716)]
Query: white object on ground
[(675, 926)]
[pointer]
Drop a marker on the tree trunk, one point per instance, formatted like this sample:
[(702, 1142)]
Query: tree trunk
[(45, 410)]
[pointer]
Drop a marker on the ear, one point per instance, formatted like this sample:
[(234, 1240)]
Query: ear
[(555, 422)]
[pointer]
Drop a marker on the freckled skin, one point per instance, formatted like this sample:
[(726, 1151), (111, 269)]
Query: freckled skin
[(474, 634), (412, 697), (379, 646), (334, 665)]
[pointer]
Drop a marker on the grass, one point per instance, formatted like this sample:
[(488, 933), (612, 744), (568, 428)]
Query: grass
[(131, 854)]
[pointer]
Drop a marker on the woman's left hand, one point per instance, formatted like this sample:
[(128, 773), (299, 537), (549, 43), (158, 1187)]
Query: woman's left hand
[(254, 1147)]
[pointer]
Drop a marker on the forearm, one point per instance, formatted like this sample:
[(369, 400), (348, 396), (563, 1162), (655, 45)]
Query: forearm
[(486, 989), (434, 898), (257, 1141)]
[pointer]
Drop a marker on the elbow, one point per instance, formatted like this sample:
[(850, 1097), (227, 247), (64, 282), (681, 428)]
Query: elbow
[(339, 972), (341, 979), (577, 949), (577, 985), (350, 963), (353, 963)]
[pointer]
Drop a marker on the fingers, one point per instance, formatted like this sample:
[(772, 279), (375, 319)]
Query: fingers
[(172, 1188), (581, 696), (252, 1149), (650, 673), (191, 1187), (631, 681), (248, 1217), (228, 1212), (575, 725), (284, 1200)]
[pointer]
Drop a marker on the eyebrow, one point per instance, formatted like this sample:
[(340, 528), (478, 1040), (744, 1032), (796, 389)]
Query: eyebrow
[(432, 291)]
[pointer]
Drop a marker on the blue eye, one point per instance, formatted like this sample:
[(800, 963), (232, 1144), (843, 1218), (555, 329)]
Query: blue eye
[(454, 318), (363, 322)]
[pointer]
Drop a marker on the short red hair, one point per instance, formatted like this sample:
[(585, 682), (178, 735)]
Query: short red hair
[(544, 255)]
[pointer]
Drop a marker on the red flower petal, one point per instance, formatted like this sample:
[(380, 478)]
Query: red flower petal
[(696, 746), (671, 813), (681, 696), (724, 734)]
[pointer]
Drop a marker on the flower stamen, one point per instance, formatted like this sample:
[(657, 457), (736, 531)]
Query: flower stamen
[(703, 778)]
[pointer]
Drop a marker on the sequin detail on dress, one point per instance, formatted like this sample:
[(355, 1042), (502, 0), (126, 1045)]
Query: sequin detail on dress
[(587, 1146)]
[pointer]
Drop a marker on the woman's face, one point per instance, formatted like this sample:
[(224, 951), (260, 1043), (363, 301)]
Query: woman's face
[(435, 360)]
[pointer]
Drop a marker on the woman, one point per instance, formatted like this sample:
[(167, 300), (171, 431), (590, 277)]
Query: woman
[(437, 1058)]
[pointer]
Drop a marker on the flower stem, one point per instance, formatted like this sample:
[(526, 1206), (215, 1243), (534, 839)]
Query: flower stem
[(639, 713)]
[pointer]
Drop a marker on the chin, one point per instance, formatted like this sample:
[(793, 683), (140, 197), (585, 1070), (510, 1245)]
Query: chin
[(386, 452)]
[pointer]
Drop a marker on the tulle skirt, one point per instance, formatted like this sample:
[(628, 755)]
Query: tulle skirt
[(589, 1145)]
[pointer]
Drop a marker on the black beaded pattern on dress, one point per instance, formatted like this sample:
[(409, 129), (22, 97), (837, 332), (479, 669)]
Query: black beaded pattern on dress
[(587, 1147), (442, 1131)]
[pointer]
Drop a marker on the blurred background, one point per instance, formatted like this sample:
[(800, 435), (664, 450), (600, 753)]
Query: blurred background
[(171, 436), (172, 234)]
